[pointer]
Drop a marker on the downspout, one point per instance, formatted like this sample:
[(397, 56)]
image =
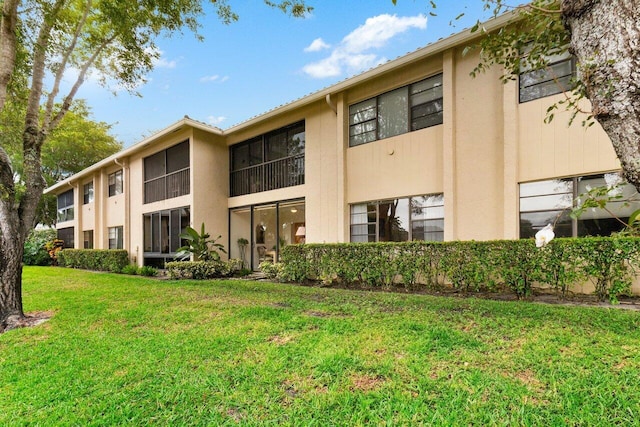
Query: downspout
[(331, 104), (127, 200)]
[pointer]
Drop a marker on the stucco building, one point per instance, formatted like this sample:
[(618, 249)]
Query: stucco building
[(413, 149)]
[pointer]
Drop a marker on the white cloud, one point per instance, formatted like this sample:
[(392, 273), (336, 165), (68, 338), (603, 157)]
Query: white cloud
[(351, 54), (317, 45), (214, 78), (216, 120)]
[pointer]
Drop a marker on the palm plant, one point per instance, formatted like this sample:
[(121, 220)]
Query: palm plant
[(199, 245)]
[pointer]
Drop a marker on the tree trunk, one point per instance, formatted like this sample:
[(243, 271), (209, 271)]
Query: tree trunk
[(605, 37), (11, 313)]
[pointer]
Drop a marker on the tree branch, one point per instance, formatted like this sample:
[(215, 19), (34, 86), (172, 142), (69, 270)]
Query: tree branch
[(63, 66), (66, 104), (8, 49)]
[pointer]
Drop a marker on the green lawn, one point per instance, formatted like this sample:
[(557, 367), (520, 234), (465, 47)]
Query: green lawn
[(124, 350)]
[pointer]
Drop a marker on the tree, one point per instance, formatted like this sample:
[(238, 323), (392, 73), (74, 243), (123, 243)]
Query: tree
[(603, 36), (42, 41), (77, 143)]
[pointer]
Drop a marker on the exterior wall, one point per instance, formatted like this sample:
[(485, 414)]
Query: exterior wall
[(210, 185), (558, 149)]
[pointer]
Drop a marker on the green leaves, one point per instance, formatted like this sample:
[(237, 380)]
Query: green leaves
[(199, 245), (470, 266)]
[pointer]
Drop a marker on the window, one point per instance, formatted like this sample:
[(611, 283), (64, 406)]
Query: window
[(162, 230), (65, 206), (67, 237), (551, 202), (166, 174), (116, 238), (399, 111), (554, 78), (88, 193), (398, 220), (268, 162), (115, 183), (88, 239)]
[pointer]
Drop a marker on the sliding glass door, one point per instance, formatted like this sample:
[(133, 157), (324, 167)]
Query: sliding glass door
[(259, 232)]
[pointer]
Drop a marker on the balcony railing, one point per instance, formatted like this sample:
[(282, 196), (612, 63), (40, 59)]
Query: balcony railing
[(168, 186), (280, 173)]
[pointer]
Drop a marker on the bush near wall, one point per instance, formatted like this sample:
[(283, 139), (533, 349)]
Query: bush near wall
[(35, 252), (516, 265), (200, 270), (113, 260)]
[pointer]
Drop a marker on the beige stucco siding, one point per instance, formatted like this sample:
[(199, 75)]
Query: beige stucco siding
[(404, 165), (479, 153), (558, 149), (210, 185)]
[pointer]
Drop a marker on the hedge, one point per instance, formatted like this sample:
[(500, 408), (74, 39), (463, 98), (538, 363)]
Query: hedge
[(470, 266), (201, 270), (113, 260)]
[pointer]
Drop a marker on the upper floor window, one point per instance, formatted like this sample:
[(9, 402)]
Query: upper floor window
[(553, 79), (65, 206), (167, 173), (413, 107), (268, 162), (398, 220), (115, 183), (551, 202), (88, 193)]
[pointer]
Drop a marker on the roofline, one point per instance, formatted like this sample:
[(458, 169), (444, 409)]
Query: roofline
[(186, 121), (436, 47)]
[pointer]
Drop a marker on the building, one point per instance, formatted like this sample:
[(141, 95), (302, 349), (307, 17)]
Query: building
[(413, 149)]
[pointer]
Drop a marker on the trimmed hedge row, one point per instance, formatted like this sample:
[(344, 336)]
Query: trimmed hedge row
[(470, 266), (113, 260), (201, 270)]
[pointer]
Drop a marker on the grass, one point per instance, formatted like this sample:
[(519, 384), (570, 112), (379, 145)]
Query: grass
[(124, 350)]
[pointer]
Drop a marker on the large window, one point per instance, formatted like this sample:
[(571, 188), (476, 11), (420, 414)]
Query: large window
[(166, 174), (398, 220), (65, 206), (162, 231), (115, 183), (551, 202), (116, 237), (554, 78), (67, 237), (88, 193), (402, 110), (268, 162)]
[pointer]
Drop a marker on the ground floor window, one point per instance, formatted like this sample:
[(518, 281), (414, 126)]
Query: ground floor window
[(67, 237), (116, 235), (399, 220), (88, 239), (259, 232), (162, 231), (551, 202)]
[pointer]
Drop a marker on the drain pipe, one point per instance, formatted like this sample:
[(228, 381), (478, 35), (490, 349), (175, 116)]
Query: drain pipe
[(331, 104)]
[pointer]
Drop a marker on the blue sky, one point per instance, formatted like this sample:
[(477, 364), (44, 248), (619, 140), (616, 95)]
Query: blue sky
[(267, 59)]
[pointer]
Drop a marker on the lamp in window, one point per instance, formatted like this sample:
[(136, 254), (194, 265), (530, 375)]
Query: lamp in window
[(301, 233)]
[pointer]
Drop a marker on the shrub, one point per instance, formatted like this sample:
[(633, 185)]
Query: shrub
[(469, 266), (113, 260), (147, 270), (198, 269), (35, 251), (131, 269), (270, 269)]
